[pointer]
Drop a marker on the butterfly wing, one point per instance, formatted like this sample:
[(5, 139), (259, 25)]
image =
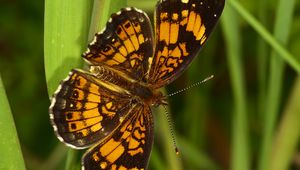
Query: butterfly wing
[(182, 28), (83, 110), (128, 147), (125, 44)]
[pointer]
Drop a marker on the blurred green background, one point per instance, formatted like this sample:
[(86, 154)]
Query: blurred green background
[(247, 117)]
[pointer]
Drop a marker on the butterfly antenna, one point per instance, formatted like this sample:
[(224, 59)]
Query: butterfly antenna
[(170, 122), (191, 86)]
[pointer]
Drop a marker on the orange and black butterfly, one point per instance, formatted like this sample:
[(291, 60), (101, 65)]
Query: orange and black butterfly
[(107, 109)]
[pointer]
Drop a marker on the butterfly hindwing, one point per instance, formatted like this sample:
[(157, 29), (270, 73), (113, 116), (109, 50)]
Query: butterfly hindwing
[(125, 44), (182, 27), (128, 147), (84, 112)]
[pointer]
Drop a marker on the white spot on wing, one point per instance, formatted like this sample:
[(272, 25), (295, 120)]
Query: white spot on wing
[(59, 137), (51, 116), (139, 10), (94, 41), (101, 32), (87, 51), (87, 61), (53, 100), (72, 146), (55, 128), (59, 87)]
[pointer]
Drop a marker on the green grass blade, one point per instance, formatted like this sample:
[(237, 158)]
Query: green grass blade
[(73, 160), (283, 53), (240, 150), (164, 135), (194, 117), (282, 26), (146, 5), (262, 60), (57, 155), (9, 145), (288, 136), (102, 9), (156, 162), (65, 38), (116, 5), (199, 160)]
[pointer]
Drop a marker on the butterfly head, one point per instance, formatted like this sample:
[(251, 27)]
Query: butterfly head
[(158, 99)]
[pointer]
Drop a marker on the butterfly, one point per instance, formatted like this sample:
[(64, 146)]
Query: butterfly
[(108, 108)]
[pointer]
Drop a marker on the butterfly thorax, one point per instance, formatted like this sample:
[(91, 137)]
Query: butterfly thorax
[(149, 96), (140, 91)]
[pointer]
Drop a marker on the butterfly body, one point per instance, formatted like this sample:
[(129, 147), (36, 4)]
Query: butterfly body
[(108, 108), (138, 90)]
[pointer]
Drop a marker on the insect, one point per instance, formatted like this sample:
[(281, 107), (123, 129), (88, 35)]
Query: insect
[(107, 108)]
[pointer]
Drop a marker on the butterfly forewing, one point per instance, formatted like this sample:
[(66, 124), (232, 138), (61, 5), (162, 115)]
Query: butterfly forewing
[(182, 27), (125, 44)]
